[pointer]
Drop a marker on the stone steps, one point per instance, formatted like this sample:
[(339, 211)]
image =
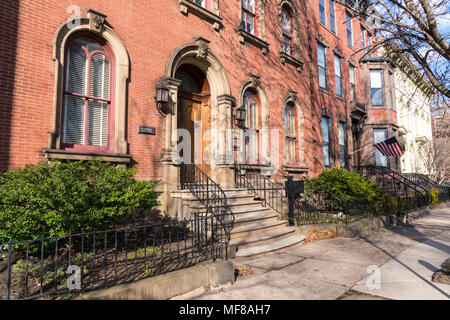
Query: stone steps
[(263, 238), (256, 228), (272, 246)]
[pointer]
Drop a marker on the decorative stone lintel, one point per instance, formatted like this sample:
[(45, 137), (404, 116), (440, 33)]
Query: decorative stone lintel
[(325, 112), (247, 37), (96, 20), (291, 60), (342, 118), (72, 155), (322, 40), (294, 169), (338, 52), (187, 6)]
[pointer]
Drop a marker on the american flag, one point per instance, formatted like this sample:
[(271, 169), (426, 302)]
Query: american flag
[(390, 148)]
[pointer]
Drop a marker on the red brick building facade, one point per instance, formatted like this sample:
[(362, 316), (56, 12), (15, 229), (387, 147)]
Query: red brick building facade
[(272, 59)]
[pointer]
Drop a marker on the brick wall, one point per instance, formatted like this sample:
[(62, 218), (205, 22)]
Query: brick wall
[(151, 31)]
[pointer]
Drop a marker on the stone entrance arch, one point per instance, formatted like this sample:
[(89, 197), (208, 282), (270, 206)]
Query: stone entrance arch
[(199, 55)]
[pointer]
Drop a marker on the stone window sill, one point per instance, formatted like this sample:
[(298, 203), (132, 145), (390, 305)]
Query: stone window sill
[(71, 155), (295, 169), (215, 19), (325, 90), (329, 30), (291, 60), (247, 37)]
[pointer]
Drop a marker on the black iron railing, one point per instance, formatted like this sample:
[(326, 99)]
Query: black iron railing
[(320, 210), (269, 192), (64, 267), (392, 181), (214, 200), (425, 182)]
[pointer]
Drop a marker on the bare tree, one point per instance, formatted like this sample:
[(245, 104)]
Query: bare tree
[(410, 27)]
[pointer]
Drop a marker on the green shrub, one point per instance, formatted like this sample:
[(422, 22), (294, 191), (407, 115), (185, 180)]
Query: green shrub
[(53, 199), (341, 184), (434, 196)]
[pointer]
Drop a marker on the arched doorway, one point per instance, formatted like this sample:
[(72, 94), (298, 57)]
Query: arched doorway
[(194, 114)]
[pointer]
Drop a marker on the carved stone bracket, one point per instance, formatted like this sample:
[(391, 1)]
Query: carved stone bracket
[(322, 40), (255, 81), (285, 58), (338, 51), (96, 20), (213, 17), (202, 47), (247, 37), (325, 112)]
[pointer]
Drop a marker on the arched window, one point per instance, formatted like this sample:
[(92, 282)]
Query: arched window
[(252, 125), (290, 134), (287, 31), (87, 108)]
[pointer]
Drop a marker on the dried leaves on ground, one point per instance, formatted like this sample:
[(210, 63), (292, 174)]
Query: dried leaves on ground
[(242, 271), (315, 235)]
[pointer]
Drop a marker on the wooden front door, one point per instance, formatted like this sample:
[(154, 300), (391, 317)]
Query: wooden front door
[(194, 115)]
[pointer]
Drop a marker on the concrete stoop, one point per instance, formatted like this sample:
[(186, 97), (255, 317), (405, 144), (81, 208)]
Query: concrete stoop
[(256, 228)]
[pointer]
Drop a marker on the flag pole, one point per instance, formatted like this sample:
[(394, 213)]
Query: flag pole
[(361, 149)]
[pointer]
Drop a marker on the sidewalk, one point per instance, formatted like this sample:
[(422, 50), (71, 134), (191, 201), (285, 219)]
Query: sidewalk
[(338, 268)]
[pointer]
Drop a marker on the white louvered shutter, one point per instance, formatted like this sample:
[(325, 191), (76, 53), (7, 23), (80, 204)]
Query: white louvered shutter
[(74, 120), (98, 110), (74, 106)]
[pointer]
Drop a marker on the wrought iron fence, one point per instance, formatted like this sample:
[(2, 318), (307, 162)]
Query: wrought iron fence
[(269, 192), (63, 267), (321, 210)]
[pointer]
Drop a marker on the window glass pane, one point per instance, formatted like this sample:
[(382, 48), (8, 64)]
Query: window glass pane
[(375, 78), (286, 45), (73, 131), (322, 78), (326, 156), (378, 136), (100, 74), (321, 55), (322, 11), (200, 2), (337, 66), (376, 85), (97, 123), (349, 29), (76, 71), (324, 127), (332, 16), (286, 22)]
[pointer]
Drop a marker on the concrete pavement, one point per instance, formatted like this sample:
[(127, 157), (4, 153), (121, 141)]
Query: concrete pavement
[(339, 268)]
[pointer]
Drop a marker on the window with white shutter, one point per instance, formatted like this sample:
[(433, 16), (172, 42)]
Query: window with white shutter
[(87, 102)]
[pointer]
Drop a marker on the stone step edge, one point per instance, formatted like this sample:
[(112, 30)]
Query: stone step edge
[(280, 244), (262, 236), (257, 226)]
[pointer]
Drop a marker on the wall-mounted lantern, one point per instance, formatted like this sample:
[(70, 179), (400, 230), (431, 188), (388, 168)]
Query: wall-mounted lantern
[(240, 115), (162, 100)]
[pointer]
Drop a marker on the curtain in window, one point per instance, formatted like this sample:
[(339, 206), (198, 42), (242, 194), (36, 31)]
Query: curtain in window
[(248, 16)]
